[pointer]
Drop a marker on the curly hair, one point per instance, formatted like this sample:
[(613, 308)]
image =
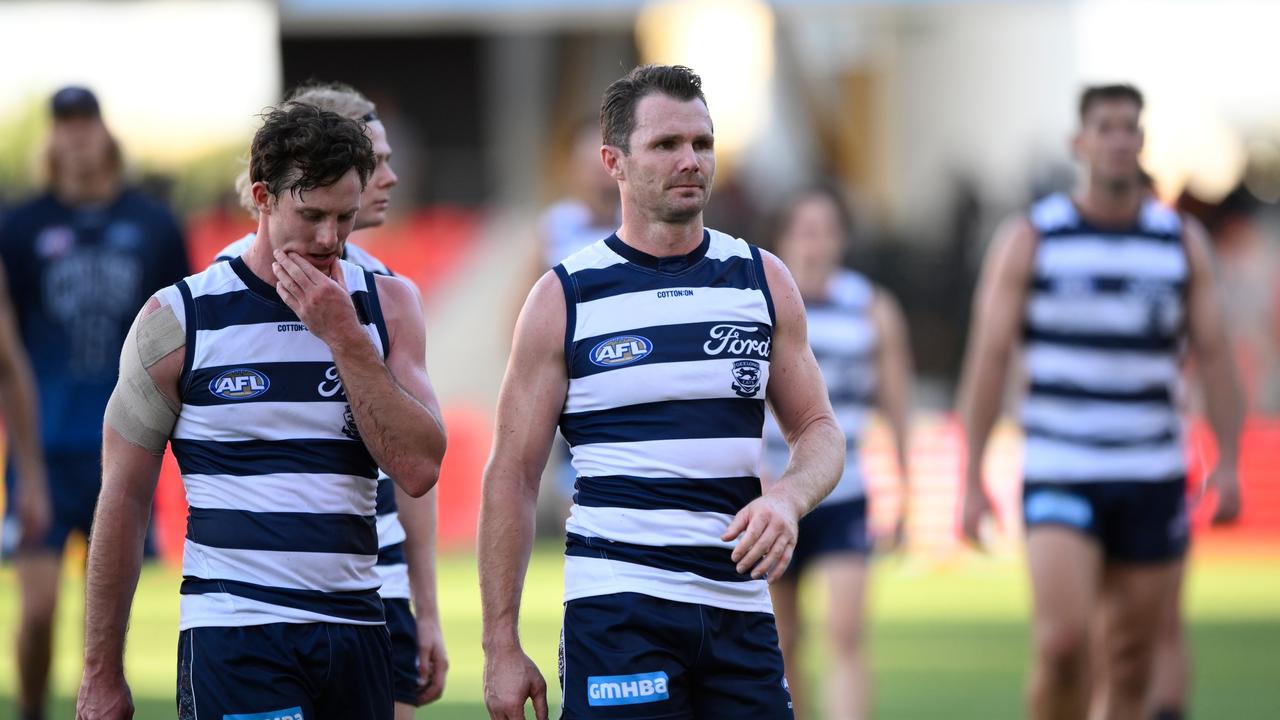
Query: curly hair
[(301, 147), (618, 109)]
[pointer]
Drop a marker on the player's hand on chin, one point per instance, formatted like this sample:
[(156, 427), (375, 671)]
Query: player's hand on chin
[(766, 530), (104, 697), (321, 301), (510, 678)]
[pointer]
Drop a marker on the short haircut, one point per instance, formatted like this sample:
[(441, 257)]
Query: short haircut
[(1101, 93), (618, 110), (301, 147)]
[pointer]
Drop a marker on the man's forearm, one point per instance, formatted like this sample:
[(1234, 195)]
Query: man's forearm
[(980, 393), (817, 461), (1224, 403), (22, 417), (403, 435), (418, 515), (505, 544), (115, 559)]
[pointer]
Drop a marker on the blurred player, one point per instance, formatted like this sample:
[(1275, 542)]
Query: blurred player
[(1102, 289), (654, 350), (80, 259), (589, 212), (406, 526), (859, 338), (285, 377)]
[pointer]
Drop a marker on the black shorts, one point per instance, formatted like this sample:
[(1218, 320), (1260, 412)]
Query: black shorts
[(635, 656), (74, 482), (285, 671), (834, 528), (1135, 522), (404, 650)]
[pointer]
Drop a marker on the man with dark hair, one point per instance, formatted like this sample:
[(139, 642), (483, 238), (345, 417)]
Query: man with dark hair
[(1101, 288), (284, 378), (79, 260), (654, 350), (406, 526)]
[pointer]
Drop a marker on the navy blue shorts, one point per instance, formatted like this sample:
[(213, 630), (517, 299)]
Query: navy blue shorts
[(285, 671), (1135, 522), (839, 527), (634, 656), (74, 481), (404, 650)]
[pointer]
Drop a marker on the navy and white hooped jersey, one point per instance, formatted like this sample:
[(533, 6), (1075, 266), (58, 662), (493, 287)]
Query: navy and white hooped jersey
[(1103, 334), (392, 568), (351, 252), (668, 361), (842, 334), (282, 492)]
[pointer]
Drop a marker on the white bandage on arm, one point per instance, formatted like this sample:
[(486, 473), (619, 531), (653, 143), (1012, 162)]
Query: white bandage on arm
[(137, 409)]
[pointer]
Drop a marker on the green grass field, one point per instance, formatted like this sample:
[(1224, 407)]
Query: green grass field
[(945, 642)]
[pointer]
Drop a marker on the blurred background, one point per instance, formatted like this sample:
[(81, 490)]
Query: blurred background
[(936, 119)]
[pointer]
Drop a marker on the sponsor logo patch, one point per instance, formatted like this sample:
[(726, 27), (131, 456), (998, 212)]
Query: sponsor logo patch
[(293, 713), (1058, 507), (332, 384), (729, 339), (604, 690), (239, 384), (746, 378), (620, 350)]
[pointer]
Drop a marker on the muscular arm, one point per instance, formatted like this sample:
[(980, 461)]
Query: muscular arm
[(894, 371), (529, 404), (392, 401), (998, 308), (129, 475), (766, 528), (1212, 350), (22, 417), (798, 396), (418, 515)]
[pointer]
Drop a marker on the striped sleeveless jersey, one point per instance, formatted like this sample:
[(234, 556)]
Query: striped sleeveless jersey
[(1102, 335), (668, 361), (392, 568), (281, 489), (843, 337)]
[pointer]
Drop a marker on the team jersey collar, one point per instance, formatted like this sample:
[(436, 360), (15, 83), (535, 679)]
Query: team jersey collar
[(256, 285), (672, 264)]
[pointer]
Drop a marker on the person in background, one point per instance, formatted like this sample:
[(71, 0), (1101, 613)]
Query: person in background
[(80, 259), (859, 338)]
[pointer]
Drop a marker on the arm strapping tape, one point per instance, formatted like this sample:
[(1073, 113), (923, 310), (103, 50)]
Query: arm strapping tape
[(137, 409)]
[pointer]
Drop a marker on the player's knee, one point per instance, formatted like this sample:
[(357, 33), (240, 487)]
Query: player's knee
[(1130, 663), (846, 636), (37, 621), (1063, 650)]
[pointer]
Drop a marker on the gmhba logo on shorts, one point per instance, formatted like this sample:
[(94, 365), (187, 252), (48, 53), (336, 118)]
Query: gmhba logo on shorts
[(239, 384), (621, 350), (626, 689)]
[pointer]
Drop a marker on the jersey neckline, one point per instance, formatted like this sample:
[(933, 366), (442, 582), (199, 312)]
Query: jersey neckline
[(672, 264)]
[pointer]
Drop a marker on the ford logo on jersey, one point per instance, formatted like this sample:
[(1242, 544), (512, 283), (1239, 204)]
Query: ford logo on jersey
[(239, 384), (620, 350)]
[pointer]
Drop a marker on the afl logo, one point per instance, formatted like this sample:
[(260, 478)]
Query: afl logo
[(239, 384), (621, 350)]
